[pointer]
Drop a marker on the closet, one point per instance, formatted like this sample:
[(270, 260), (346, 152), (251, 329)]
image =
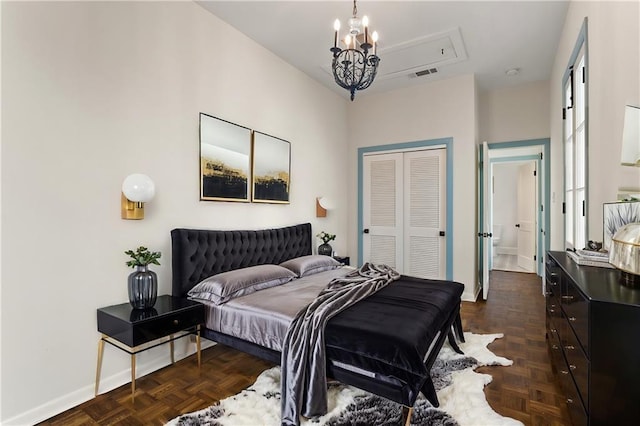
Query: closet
[(404, 211)]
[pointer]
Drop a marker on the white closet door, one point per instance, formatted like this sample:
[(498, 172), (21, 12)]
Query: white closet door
[(424, 214), (382, 209)]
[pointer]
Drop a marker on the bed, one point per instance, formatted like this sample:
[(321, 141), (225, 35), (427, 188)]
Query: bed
[(384, 344)]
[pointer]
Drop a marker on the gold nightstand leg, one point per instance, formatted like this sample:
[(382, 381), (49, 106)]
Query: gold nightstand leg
[(133, 377), (171, 344), (99, 366), (198, 345)]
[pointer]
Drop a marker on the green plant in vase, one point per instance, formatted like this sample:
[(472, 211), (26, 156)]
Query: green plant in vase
[(325, 248), (142, 283)]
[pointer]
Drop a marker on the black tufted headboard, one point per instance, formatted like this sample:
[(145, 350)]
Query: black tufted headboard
[(199, 253)]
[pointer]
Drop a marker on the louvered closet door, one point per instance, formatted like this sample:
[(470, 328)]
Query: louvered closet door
[(424, 213), (382, 209), (404, 211)]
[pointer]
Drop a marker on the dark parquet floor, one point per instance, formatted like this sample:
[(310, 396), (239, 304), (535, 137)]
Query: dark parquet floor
[(526, 391)]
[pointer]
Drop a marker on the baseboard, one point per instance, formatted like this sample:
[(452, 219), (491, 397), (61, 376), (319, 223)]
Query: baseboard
[(86, 393), (471, 296)]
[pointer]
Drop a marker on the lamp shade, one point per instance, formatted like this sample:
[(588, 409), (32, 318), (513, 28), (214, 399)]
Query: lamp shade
[(325, 203), (139, 188), (624, 252)]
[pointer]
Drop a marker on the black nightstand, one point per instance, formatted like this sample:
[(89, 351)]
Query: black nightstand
[(346, 260), (135, 330)]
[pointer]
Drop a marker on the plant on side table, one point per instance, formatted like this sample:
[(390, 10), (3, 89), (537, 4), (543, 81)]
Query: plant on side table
[(142, 283), (325, 248)]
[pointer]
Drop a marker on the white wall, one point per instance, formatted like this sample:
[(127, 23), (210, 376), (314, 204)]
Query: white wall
[(91, 93), (514, 113), (614, 67), (434, 110)]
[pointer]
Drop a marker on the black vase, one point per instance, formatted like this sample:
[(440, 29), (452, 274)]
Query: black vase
[(143, 288), (325, 249)]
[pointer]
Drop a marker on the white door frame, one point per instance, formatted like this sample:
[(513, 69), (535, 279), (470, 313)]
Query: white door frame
[(446, 143), (544, 190)]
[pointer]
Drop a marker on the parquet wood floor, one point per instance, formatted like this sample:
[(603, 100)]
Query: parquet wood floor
[(526, 391)]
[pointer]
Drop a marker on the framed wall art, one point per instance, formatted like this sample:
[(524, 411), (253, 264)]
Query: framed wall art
[(225, 160), (616, 215), (271, 169)]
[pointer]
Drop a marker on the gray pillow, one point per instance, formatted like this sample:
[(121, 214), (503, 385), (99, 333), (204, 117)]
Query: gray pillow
[(221, 288), (312, 264)]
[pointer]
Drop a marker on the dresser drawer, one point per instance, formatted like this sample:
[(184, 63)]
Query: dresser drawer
[(576, 309), (138, 327), (577, 411), (578, 364), (147, 331), (555, 348)]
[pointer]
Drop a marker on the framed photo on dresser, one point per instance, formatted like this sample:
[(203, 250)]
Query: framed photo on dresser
[(616, 215)]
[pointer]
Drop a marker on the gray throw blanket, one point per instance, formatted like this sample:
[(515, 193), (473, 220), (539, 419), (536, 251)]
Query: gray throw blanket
[(304, 380)]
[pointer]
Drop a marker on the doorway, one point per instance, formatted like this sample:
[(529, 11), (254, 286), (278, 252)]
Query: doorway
[(534, 150), (513, 216)]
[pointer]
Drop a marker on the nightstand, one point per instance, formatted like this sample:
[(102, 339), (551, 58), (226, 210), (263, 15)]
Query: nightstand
[(346, 259), (136, 330)]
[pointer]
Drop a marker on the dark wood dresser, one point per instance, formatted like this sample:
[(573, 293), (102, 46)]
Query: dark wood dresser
[(593, 332)]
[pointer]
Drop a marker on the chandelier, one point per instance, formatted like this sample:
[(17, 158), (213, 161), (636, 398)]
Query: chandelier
[(355, 66)]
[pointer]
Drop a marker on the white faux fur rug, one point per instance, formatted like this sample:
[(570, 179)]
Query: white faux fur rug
[(459, 388)]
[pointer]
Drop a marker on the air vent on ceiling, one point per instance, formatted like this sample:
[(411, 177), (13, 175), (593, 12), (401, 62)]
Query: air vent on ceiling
[(426, 72), (418, 57)]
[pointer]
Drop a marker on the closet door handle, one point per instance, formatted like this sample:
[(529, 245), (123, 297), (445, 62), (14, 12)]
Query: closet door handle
[(366, 231), (442, 233)]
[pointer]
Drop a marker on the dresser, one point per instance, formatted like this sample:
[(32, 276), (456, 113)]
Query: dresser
[(593, 335)]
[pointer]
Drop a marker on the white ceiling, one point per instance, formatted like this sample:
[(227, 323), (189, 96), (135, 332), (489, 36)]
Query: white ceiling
[(487, 37)]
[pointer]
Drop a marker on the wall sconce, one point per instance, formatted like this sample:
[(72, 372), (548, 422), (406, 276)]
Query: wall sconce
[(631, 137), (322, 205), (137, 189)]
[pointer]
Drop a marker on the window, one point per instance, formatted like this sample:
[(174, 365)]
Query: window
[(574, 86)]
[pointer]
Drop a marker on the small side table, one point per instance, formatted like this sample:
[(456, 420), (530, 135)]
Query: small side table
[(136, 330), (346, 259)]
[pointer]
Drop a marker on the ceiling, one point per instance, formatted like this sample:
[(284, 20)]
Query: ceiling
[(485, 38)]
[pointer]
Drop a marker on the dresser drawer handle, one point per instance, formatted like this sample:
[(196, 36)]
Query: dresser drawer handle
[(572, 319), (553, 283), (564, 372), (569, 347), (553, 330), (554, 347), (569, 401), (548, 293), (553, 311), (567, 297), (176, 322), (572, 367)]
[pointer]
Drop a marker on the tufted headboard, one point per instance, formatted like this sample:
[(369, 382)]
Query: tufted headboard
[(199, 253)]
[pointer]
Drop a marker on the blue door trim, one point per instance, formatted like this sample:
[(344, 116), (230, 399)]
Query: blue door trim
[(447, 143), (546, 144)]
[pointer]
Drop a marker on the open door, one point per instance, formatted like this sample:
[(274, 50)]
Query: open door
[(526, 226), (484, 234)]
